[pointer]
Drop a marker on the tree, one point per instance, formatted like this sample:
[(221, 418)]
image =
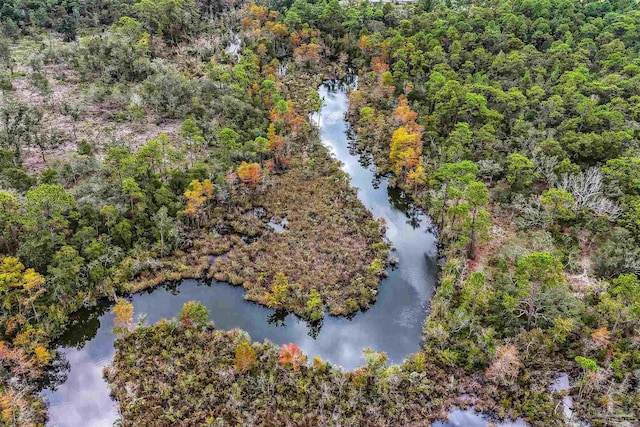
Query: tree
[(250, 174), (619, 253), (245, 358), (406, 150), (520, 173), (559, 203), (8, 219), (622, 176), (170, 92), (67, 27), (20, 287), (279, 291), (197, 195), (313, 307), (42, 355), (171, 19), (291, 356), (47, 207), (458, 144), (73, 112), (479, 220), (166, 229), (417, 178), (505, 366), (631, 217), (275, 146), (21, 124), (194, 137), (123, 316), (621, 303), (541, 289), (134, 194), (193, 313), (64, 273), (589, 369), (228, 138), (450, 181)]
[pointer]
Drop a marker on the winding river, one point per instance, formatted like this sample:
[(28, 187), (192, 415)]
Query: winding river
[(393, 324)]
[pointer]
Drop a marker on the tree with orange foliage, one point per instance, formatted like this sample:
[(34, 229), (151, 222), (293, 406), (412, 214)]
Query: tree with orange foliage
[(601, 338), (291, 355), (405, 114), (250, 174), (364, 44), (379, 64), (197, 195), (505, 366), (17, 360), (260, 13), (307, 55), (245, 358)]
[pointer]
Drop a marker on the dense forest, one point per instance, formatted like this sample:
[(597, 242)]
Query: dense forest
[(136, 146)]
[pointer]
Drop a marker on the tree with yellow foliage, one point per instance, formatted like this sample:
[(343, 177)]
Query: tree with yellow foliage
[(42, 355), (123, 320), (275, 146), (19, 287), (197, 195), (405, 153), (279, 291)]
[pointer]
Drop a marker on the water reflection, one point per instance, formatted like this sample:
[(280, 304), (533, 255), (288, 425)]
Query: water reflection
[(393, 324), (470, 418)]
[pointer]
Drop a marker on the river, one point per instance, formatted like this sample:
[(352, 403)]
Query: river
[(393, 324)]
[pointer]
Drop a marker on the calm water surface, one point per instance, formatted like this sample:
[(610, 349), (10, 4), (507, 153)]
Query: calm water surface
[(393, 324)]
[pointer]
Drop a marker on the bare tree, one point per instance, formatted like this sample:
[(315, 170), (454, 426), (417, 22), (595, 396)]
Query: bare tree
[(586, 189)]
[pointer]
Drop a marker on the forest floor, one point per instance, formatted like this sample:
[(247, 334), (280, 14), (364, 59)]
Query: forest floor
[(100, 120)]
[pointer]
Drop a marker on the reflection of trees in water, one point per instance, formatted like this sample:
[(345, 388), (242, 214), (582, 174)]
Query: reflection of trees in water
[(403, 202), (335, 85), (277, 318), (83, 326), (342, 84), (171, 287), (55, 374), (314, 328)]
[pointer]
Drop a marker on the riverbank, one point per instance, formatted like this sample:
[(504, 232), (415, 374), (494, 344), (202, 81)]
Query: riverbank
[(392, 325), (130, 216), (415, 392)]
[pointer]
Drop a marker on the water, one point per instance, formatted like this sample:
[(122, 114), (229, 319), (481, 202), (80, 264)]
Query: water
[(393, 324), (234, 46), (470, 418)]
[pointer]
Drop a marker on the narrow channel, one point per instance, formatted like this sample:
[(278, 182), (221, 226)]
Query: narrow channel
[(393, 324)]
